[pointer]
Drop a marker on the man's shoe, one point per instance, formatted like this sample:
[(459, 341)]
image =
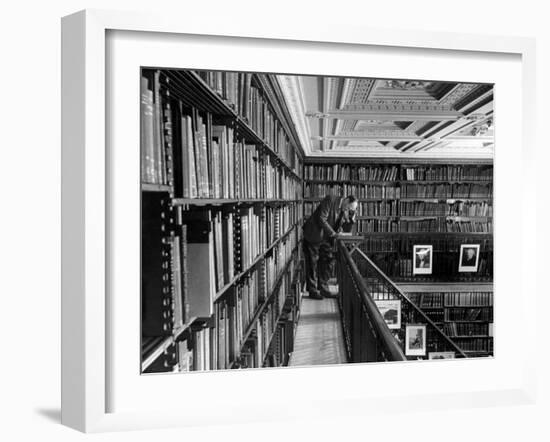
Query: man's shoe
[(315, 296)]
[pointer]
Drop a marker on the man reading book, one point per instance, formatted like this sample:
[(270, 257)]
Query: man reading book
[(322, 227)]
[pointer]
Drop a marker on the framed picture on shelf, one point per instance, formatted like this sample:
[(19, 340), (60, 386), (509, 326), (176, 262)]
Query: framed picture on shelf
[(415, 340), (422, 259), (391, 312), (469, 258), (441, 355)]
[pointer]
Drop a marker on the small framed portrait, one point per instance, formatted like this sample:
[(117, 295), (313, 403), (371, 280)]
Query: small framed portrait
[(422, 260), (391, 312), (415, 340), (441, 355), (469, 258)]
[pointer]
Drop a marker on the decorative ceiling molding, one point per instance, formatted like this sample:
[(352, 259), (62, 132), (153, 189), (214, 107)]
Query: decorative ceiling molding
[(458, 92), (390, 112), (380, 135), (362, 90), (486, 154), (293, 92), (344, 97), (406, 118), (325, 106)]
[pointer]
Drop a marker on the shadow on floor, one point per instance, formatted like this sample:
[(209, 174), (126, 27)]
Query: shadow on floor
[(51, 414)]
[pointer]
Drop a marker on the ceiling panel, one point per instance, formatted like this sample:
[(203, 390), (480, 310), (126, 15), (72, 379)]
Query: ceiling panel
[(394, 117)]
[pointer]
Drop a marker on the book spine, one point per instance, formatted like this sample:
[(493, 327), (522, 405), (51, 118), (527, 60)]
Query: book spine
[(147, 133)]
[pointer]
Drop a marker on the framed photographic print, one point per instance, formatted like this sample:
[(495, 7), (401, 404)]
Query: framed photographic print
[(415, 340), (126, 208), (422, 259), (469, 258), (391, 312), (441, 355)]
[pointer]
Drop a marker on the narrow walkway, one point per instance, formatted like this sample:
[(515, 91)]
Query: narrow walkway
[(319, 337)]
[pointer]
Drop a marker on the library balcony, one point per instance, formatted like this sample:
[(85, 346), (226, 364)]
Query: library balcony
[(365, 321)]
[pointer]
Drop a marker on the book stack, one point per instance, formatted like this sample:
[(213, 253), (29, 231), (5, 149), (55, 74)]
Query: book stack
[(218, 154), (154, 134)]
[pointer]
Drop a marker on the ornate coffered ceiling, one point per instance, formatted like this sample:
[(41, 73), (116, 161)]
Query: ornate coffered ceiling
[(390, 118)]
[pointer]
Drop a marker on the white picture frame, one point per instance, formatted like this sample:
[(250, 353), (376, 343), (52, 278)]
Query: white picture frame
[(415, 340), (469, 258), (390, 309), (422, 259), (87, 254)]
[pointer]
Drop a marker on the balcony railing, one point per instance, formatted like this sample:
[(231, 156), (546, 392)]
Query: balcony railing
[(380, 321)]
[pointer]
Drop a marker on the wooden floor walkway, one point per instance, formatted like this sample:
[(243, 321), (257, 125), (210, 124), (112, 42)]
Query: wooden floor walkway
[(319, 336)]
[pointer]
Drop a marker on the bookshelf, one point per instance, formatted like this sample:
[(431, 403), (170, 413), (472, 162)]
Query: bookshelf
[(443, 204), (403, 203), (464, 314), (222, 206)]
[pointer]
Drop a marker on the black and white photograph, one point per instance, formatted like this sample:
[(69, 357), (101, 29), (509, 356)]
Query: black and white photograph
[(469, 254), (415, 340), (391, 312), (422, 259), (275, 207)]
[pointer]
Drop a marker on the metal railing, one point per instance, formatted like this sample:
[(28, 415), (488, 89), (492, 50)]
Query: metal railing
[(380, 321), (367, 336)]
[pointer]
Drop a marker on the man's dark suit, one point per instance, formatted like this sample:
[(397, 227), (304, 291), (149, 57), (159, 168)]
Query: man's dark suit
[(318, 230), (320, 225)]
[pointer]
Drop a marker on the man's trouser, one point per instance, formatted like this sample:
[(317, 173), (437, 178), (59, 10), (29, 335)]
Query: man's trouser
[(319, 259)]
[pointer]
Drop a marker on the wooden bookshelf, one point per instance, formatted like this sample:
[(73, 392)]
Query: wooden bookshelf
[(221, 153)]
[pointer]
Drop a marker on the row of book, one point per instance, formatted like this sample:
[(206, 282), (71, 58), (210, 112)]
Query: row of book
[(252, 236), (447, 191), (481, 345), (181, 146), (228, 85), (233, 318), (154, 167), (423, 300), (463, 209), (282, 344), (243, 94), (448, 172), (453, 329), (435, 315), (343, 172), (227, 242), (271, 325), (279, 184), (348, 172), (360, 191), (416, 208), (263, 121), (452, 299), (377, 208), (484, 314), (280, 257), (429, 225), (220, 345), (468, 299), (424, 191), (279, 219)]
